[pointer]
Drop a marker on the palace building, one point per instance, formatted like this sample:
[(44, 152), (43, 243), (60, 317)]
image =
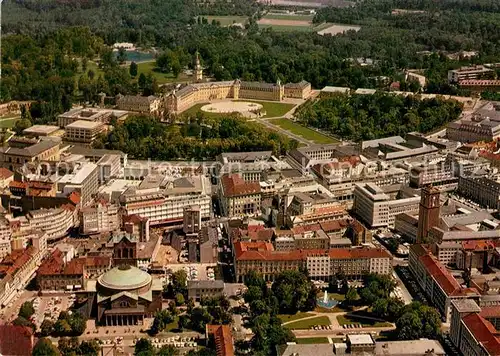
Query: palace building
[(200, 92)]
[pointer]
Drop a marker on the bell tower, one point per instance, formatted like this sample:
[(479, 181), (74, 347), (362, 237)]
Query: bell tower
[(198, 71), (428, 212)]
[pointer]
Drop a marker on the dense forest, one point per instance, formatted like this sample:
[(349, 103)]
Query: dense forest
[(202, 138), (393, 42), (366, 117)]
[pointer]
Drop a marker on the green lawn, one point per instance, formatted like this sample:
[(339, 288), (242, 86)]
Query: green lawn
[(352, 319), (286, 317), (162, 78), (300, 130), (227, 20), (8, 123), (272, 109), (308, 323), (312, 340)]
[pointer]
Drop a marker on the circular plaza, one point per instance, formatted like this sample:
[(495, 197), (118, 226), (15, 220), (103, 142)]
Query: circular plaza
[(245, 108)]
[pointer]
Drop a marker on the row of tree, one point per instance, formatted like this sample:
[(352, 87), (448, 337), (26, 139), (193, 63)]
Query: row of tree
[(365, 117)]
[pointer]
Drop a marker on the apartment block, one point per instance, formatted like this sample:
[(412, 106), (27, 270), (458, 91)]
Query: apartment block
[(378, 209), (82, 178), (482, 125), (56, 222)]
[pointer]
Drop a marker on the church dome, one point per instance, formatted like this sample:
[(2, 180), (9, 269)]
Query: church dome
[(124, 278)]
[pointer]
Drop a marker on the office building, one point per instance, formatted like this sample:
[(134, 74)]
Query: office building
[(100, 217), (82, 178), (378, 209), (84, 132), (481, 125), (30, 151)]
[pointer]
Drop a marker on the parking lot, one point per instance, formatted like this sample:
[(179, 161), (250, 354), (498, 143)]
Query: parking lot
[(410, 283), (49, 307)]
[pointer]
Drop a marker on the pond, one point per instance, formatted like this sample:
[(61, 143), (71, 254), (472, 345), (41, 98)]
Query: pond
[(137, 56)]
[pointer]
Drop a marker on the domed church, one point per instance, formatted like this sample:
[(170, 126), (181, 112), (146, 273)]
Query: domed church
[(126, 295)]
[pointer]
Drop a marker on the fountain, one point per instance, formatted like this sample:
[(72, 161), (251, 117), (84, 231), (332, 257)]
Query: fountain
[(326, 302)]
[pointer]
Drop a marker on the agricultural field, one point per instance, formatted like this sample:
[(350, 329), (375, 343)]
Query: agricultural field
[(302, 22), (335, 29), (302, 131)]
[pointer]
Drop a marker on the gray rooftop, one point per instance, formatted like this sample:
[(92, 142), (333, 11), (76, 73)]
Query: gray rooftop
[(216, 284)]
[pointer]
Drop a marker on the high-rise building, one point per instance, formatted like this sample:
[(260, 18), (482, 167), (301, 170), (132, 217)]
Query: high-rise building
[(428, 214)]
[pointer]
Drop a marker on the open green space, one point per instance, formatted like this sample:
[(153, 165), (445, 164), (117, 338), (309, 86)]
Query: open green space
[(272, 109), (162, 78), (227, 20), (300, 130), (308, 323), (291, 17), (8, 123), (347, 319), (286, 317), (312, 340)]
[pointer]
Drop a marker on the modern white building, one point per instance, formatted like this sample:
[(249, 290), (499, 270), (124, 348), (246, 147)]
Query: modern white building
[(378, 209)]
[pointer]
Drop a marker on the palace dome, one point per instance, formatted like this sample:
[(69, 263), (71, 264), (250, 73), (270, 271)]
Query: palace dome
[(124, 278)]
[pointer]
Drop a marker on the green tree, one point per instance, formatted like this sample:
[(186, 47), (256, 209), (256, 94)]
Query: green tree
[(20, 321), (351, 296), (179, 282), (47, 327), (20, 126), (184, 322), (167, 350), (26, 310), (62, 327), (122, 55), (133, 69), (142, 81), (163, 62), (179, 299), (144, 347), (44, 347)]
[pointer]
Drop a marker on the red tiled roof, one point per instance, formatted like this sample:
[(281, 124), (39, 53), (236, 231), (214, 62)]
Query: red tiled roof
[(16, 340), (233, 185), (261, 235), (484, 332), (305, 228), (490, 312), (97, 261), (478, 245), (255, 251), (5, 173), (16, 184), (18, 258), (333, 225), (54, 264), (223, 339), (442, 276), (74, 197)]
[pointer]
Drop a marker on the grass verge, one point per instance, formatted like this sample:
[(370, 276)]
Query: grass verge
[(150, 67), (286, 317)]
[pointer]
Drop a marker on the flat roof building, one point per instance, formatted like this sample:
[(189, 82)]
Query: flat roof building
[(82, 131)]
